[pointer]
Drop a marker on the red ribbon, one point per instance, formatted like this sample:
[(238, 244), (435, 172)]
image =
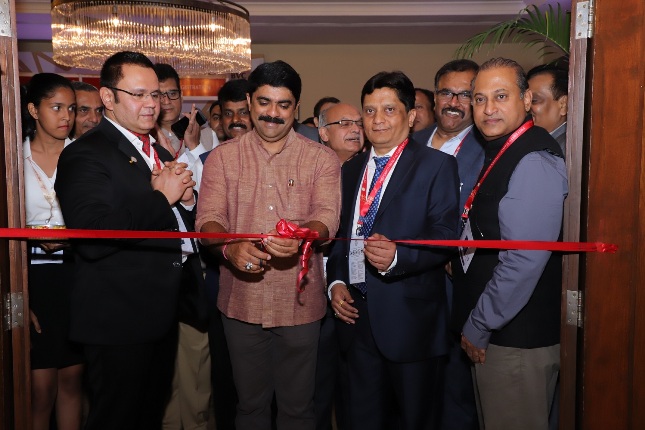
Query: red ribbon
[(290, 230), (53, 234), (293, 231)]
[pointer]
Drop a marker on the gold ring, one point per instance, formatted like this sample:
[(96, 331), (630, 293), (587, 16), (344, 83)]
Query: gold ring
[(341, 303)]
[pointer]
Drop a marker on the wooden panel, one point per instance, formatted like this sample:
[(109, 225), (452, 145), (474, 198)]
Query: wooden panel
[(571, 263), (614, 284), (13, 189)]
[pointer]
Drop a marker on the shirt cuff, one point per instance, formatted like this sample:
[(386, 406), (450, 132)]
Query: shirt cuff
[(477, 337), (188, 207), (199, 150), (330, 287), (391, 265)]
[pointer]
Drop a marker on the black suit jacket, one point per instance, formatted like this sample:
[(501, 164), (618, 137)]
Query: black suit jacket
[(125, 291), (470, 159), (407, 307)]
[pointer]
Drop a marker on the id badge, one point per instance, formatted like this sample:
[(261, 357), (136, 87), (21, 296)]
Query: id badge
[(466, 254), (356, 262)]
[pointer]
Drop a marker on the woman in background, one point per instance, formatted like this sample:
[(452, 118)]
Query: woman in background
[(49, 107)]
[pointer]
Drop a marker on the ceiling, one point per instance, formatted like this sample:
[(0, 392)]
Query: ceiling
[(339, 22)]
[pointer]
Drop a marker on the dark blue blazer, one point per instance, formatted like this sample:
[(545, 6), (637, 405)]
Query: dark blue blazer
[(125, 291), (470, 159), (407, 307)]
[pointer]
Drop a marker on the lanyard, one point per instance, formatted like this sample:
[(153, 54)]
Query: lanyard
[(461, 143), (181, 145), (469, 202), (366, 202)]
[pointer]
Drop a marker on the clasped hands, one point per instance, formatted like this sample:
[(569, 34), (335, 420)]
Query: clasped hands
[(253, 255), (175, 181)]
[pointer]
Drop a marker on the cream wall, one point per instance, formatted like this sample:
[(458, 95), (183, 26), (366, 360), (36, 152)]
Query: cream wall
[(342, 70)]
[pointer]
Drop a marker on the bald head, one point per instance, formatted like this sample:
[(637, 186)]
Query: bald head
[(341, 128)]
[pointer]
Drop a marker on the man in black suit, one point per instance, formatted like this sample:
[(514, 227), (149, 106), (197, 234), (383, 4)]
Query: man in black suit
[(390, 299), (124, 300), (455, 135)]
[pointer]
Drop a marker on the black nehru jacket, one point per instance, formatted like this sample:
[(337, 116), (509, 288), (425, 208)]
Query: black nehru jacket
[(538, 323)]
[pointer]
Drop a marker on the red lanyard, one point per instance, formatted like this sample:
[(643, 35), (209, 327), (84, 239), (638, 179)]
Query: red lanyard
[(469, 202), (366, 202), (181, 145), (461, 143)]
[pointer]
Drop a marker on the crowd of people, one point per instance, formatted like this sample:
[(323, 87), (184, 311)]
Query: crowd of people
[(379, 334)]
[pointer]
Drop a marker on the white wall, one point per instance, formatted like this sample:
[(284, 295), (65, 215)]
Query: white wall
[(342, 70)]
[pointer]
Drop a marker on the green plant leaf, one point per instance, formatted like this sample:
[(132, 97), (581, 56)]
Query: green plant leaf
[(532, 26)]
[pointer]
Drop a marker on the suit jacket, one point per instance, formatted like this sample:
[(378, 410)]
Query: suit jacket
[(470, 159), (407, 307), (125, 290)]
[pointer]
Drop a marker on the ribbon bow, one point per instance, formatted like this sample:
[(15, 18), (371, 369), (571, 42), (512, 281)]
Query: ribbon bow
[(293, 231)]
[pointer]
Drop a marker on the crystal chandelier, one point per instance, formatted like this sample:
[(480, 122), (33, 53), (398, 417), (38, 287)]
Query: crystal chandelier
[(197, 37)]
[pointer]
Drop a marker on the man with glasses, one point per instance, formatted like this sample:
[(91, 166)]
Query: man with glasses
[(341, 128), (171, 103), (454, 134), (124, 299)]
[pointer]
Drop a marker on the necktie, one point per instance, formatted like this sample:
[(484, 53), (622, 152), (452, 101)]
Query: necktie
[(145, 139), (368, 220)]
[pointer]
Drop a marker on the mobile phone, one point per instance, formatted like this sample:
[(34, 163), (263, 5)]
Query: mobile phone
[(179, 128)]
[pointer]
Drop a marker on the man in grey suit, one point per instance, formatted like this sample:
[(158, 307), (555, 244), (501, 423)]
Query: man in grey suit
[(549, 85), (454, 134)]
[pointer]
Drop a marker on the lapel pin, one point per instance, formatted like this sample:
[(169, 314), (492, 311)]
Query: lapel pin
[(133, 160)]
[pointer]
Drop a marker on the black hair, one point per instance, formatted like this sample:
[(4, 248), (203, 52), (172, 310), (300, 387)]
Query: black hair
[(40, 86), (397, 81), (319, 104), (212, 106), (276, 74), (429, 94), (112, 70), (166, 71), (499, 62), (309, 120), (233, 91), (455, 66), (560, 86), (83, 86)]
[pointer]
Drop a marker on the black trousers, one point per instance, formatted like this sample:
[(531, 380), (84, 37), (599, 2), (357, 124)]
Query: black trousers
[(129, 385), (386, 395)]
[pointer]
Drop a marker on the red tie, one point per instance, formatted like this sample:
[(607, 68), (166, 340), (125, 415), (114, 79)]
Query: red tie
[(145, 139)]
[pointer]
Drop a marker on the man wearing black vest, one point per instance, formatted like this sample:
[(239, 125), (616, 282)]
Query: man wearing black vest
[(507, 302)]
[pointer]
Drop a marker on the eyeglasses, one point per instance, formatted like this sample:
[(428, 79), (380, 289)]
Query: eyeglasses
[(346, 123), (155, 95), (172, 94), (447, 95)]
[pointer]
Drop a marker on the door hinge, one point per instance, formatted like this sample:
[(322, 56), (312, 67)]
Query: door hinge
[(585, 12), (13, 311), (574, 308)]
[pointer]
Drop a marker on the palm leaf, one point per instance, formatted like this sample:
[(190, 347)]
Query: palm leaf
[(532, 26)]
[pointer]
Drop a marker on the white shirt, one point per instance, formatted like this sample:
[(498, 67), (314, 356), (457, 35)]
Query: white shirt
[(450, 146), (371, 167)]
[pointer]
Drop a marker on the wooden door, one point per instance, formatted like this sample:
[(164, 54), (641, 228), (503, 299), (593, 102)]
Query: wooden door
[(14, 337), (611, 386)]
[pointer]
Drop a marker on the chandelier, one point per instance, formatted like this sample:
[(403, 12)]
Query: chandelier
[(196, 37)]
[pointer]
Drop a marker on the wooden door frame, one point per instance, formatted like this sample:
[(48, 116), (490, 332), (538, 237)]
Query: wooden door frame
[(13, 253)]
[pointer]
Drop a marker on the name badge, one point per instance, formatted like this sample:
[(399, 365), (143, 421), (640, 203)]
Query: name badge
[(356, 262), (466, 254)]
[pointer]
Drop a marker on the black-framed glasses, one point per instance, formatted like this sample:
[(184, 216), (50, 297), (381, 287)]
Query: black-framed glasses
[(447, 95), (346, 123), (172, 94), (155, 95)]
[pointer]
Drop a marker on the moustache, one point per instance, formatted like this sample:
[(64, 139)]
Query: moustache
[(453, 110), (268, 118), (238, 125)]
